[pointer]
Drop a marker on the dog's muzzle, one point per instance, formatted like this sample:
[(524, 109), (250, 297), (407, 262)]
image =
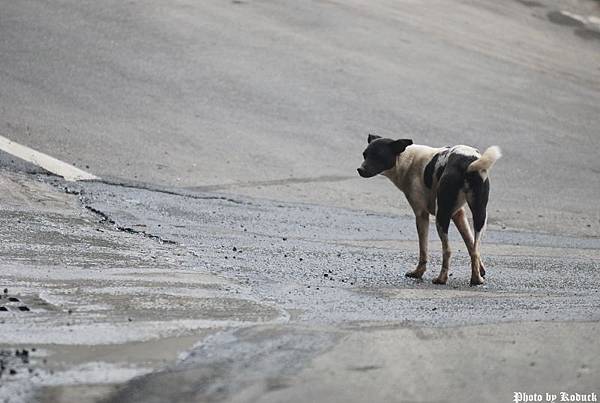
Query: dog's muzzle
[(363, 172)]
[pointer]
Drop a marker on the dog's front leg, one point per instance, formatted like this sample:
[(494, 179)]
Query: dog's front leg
[(423, 231)]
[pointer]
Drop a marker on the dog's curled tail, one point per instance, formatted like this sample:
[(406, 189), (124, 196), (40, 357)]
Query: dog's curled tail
[(484, 163)]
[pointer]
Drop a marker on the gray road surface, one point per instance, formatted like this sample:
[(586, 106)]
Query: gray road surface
[(236, 93), (276, 301), (232, 254)]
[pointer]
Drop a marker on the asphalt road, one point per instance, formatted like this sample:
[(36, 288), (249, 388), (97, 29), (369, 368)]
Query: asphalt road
[(231, 253), (276, 98), (140, 295)]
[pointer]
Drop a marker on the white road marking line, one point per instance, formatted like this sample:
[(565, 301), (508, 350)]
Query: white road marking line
[(50, 164), (574, 16)]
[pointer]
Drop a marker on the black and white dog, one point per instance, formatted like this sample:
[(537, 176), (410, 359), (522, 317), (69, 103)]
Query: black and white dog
[(437, 181)]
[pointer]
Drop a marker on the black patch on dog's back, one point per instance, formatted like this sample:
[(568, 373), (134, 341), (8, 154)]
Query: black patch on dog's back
[(447, 192), (430, 168), (460, 161), (453, 178), (428, 174), (440, 171)]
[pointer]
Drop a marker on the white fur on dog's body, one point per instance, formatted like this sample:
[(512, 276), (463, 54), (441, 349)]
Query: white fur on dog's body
[(408, 175)]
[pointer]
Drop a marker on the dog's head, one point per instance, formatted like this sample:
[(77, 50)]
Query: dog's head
[(381, 154)]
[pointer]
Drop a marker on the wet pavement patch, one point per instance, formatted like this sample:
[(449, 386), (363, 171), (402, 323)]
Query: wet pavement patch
[(229, 362)]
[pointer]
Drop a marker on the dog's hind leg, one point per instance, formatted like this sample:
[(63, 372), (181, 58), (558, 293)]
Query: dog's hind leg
[(423, 231), (447, 198), (478, 204), (462, 224)]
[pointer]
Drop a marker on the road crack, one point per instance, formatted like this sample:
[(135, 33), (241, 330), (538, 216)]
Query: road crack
[(105, 218)]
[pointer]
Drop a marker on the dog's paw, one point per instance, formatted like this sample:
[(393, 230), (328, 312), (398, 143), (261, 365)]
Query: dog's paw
[(481, 269), (476, 281), (414, 274), (439, 280)]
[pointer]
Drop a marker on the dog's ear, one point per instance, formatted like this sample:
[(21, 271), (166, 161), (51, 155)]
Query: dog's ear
[(400, 145), (372, 137)]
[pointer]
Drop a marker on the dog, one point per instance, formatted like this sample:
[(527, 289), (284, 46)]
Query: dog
[(440, 182)]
